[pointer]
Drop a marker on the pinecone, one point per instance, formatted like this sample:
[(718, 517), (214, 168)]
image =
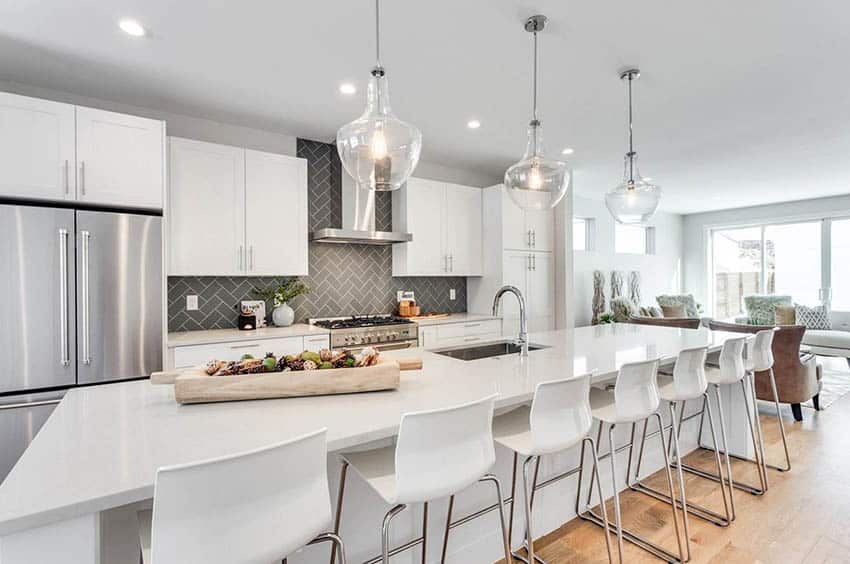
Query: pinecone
[(296, 364)]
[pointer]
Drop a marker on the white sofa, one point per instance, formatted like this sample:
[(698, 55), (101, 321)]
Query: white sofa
[(828, 342)]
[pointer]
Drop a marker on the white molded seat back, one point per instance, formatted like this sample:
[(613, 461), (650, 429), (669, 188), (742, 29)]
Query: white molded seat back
[(560, 414), (440, 452), (636, 390), (760, 350), (732, 361), (255, 507), (689, 373)]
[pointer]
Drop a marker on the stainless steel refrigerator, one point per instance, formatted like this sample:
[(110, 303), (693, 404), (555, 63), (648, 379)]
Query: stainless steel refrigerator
[(80, 303)]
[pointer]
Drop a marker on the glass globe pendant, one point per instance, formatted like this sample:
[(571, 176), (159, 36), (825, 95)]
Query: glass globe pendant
[(536, 182), (635, 200), (377, 149)]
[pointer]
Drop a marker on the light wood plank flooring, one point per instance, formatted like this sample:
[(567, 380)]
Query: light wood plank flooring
[(803, 518)]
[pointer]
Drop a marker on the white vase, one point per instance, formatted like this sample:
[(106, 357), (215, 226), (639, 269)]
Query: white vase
[(283, 316)]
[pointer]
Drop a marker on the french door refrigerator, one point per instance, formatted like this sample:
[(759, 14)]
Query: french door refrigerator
[(80, 303)]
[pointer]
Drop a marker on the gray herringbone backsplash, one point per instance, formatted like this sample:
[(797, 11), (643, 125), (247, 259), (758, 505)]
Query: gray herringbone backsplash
[(344, 279)]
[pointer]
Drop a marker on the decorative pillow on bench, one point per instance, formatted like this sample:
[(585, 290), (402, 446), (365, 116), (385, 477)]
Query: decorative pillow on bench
[(813, 317), (761, 310)]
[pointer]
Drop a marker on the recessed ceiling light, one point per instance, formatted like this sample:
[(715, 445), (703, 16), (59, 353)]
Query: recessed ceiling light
[(347, 88), (567, 151), (132, 27), (473, 124)]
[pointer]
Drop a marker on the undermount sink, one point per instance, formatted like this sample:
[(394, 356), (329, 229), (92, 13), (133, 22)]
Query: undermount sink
[(486, 350)]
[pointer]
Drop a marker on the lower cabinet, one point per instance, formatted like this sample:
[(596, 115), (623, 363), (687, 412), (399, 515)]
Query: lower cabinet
[(452, 334), (194, 355)]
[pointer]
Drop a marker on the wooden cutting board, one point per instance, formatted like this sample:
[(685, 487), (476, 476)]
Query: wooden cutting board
[(194, 385)]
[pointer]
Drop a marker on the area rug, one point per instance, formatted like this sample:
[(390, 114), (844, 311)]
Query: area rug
[(836, 381)]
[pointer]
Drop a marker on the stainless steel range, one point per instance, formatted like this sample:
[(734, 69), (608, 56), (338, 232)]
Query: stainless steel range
[(383, 332)]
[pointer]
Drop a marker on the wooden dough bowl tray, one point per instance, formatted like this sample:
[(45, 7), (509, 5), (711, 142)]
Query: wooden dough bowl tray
[(194, 385)]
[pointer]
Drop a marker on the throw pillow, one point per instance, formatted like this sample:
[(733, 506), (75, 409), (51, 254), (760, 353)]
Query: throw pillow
[(813, 317), (785, 315), (623, 309), (655, 311), (761, 310), (685, 300), (673, 310)]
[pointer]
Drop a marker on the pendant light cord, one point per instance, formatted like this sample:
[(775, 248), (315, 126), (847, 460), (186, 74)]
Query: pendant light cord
[(631, 136), (534, 80), (378, 34)]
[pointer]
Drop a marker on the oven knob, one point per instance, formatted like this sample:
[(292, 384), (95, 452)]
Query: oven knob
[(355, 340), (393, 336)]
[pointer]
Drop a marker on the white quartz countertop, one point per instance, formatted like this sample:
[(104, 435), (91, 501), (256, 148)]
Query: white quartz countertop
[(185, 338), (455, 318), (102, 445)]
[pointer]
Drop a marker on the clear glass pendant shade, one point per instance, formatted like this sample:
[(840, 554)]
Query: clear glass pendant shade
[(535, 182), (635, 200), (377, 149)]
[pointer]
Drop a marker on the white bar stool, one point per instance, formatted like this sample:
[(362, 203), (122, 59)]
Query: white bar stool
[(760, 359), (730, 372), (688, 382), (634, 399), (255, 507), (559, 418), (438, 454)]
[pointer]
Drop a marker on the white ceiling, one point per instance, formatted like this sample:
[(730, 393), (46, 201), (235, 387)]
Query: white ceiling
[(740, 103)]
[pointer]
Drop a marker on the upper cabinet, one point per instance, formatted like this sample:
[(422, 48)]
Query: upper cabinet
[(526, 230), (120, 159), (235, 212), (55, 151), (445, 221)]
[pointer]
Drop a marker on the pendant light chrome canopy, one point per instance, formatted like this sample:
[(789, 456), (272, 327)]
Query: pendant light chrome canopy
[(377, 149), (635, 199), (535, 182)]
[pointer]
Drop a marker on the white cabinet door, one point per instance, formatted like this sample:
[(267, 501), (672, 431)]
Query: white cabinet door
[(275, 214), (426, 200), (515, 273), (541, 286), (37, 144), (206, 209), (120, 159), (463, 229), (542, 227), (514, 230)]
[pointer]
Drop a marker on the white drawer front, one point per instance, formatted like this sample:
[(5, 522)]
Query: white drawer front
[(195, 355), (316, 343)]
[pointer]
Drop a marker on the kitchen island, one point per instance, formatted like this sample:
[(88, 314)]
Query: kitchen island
[(98, 453)]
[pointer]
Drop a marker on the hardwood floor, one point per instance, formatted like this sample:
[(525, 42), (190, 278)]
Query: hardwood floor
[(803, 518)]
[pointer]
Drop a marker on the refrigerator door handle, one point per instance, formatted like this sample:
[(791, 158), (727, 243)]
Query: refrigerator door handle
[(84, 275), (64, 356)]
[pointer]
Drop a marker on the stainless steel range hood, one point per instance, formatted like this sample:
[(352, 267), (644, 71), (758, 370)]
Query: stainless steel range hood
[(358, 220)]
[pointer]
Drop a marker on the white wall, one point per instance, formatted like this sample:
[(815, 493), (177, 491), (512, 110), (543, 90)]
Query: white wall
[(697, 227), (660, 272)]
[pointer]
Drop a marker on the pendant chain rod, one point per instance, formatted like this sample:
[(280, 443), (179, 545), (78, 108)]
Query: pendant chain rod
[(631, 141), (534, 89), (378, 33)]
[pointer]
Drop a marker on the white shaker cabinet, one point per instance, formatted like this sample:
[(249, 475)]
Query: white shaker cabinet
[(37, 143), (120, 159), (236, 212), (206, 203), (275, 214), (533, 274), (526, 230), (445, 221)]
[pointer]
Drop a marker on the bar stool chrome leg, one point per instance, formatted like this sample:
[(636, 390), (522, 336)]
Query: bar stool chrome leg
[(385, 531), (781, 425)]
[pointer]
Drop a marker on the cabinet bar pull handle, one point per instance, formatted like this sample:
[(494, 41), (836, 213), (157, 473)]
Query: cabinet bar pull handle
[(64, 359), (534, 238), (83, 177), (239, 257), (85, 282), (534, 262), (67, 184), (452, 263), (251, 257), (251, 346)]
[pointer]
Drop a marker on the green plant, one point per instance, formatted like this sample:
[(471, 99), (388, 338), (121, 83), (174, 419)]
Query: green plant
[(607, 317), (282, 291)]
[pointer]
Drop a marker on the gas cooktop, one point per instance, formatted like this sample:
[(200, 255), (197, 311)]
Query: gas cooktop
[(358, 321)]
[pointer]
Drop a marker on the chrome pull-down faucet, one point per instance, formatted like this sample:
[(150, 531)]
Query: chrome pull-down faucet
[(523, 320)]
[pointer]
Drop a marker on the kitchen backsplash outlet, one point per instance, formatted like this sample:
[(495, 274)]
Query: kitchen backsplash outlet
[(344, 279)]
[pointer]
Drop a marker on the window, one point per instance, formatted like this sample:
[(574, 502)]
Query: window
[(840, 264), (583, 228), (767, 259), (634, 239)]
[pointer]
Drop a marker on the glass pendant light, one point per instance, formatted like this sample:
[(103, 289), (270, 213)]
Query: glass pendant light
[(635, 200), (535, 182), (377, 149)]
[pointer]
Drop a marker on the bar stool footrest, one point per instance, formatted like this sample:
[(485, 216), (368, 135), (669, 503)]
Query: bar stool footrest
[(658, 551)]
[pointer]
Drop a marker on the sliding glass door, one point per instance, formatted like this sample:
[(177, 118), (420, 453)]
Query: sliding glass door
[(839, 261), (782, 258)]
